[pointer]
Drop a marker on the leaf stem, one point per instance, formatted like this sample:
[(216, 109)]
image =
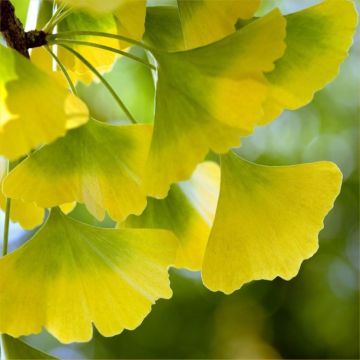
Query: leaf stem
[(63, 69), (100, 34), (107, 48), (102, 79), (6, 220)]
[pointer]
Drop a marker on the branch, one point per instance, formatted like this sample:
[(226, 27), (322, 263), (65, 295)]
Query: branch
[(12, 28), (14, 33)]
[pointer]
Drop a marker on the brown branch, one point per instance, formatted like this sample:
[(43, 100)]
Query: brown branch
[(14, 33), (12, 28)]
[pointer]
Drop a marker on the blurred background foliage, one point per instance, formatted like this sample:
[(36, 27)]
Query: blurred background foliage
[(315, 315)]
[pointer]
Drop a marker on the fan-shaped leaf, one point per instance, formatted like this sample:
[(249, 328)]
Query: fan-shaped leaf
[(267, 221), (208, 97), (99, 165), (318, 40), (108, 277), (47, 110)]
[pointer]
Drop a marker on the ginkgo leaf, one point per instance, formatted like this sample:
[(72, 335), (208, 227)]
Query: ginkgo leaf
[(194, 23), (188, 211), (98, 164), (267, 221), (87, 275), (206, 21), (318, 40), (28, 215), (208, 97), (98, 6), (102, 60), (159, 18), (130, 16), (15, 349), (47, 110)]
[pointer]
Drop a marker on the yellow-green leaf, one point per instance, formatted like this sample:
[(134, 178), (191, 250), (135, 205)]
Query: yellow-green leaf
[(208, 97), (87, 275), (98, 164), (15, 349), (130, 16), (188, 211), (267, 221), (206, 21), (34, 108), (102, 60), (97, 6), (318, 40), (28, 215)]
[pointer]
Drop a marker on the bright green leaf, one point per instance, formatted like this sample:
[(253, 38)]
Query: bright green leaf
[(267, 221), (87, 275)]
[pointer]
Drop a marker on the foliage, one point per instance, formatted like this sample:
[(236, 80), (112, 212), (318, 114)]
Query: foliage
[(233, 220)]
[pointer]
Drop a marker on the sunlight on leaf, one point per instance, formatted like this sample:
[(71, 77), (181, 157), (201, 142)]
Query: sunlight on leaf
[(208, 97), (88, 275), (188, 211), (99, 165), (47, 110), (267, 221), (313, 54), (15, 349)]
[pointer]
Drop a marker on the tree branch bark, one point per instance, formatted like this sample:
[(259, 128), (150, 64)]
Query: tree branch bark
[(12, 28), (14, 33)]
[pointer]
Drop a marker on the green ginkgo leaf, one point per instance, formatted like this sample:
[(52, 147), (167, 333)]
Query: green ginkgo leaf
[(318, 40), (47, 110), (267, 221), (15, 349), (98, 164), (208, 97), (87, 275), (188, 211)]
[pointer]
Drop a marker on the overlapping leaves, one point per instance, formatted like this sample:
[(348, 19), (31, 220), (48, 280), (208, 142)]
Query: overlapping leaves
[(214, 84)]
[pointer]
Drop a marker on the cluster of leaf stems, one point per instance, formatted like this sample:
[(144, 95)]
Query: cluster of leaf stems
[(65, 40)]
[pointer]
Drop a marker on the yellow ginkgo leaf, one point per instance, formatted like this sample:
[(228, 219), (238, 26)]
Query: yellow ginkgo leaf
[(130, 17), (98, 164), (102, 60), (318, 40), (15, 349), (28, 215), (47, 109), (207, 97), (188, 211), (87, 275), (98, 6), (267, 221), (206, 21)]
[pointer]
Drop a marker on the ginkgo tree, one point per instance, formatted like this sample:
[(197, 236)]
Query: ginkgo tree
[(178, 193)]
